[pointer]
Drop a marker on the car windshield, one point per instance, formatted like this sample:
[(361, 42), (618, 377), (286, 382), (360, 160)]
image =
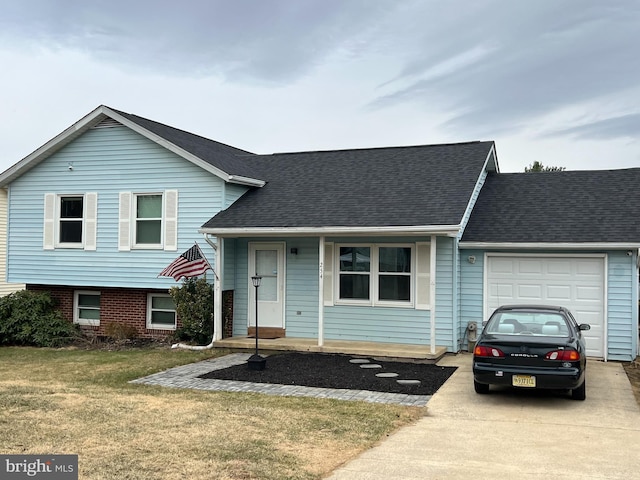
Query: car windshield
[(511, 322)]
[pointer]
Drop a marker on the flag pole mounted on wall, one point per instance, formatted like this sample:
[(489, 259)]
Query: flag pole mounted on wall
[(191, 263)]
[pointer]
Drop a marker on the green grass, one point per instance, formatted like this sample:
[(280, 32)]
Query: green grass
[(79, 402)]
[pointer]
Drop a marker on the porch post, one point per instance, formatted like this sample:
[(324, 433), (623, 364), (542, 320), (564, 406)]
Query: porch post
[(321, 292), (432, 292), (217, 292)]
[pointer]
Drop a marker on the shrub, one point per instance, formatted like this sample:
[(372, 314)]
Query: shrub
[(32, 318), (194, 305), (120, 331)]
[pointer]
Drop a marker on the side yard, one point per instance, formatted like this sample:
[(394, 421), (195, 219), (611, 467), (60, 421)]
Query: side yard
[(79, 402)]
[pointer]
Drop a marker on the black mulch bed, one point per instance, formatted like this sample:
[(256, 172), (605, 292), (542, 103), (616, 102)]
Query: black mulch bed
[(336, 371)]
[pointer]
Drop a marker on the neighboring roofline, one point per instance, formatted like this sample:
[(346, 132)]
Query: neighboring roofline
[(448, 230), (549, 245), (92, 119)]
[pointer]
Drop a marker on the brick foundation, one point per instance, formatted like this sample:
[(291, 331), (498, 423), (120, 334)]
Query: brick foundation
[(127, 306)]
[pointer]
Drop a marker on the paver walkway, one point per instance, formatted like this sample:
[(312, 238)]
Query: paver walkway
[(186, 376)]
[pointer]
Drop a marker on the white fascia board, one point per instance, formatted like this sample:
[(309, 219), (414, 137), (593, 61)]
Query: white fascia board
[(183, 153), (448, 230), (251, 182), (57, 142), (547, 246), (492, 153)]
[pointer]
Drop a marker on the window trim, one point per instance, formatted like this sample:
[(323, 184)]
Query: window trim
[(134, 222), (58, 220), (374, 276), (150, 310), (76, 308)]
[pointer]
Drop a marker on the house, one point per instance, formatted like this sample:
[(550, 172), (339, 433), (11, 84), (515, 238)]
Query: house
[(96, 213), (404, 246)]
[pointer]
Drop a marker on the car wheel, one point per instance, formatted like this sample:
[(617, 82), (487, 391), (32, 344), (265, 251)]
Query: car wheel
[(580, 393), (480, 387)]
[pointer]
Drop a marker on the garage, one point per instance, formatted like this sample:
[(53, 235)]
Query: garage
[(573, 281)]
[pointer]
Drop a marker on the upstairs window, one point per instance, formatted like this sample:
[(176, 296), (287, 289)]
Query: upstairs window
[(148, 220), (70, 221), (70, 218)]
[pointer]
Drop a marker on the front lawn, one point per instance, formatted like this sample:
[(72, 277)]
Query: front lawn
[(79, 402)]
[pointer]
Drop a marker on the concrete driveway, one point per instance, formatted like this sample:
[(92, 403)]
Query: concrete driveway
[(506, 434)]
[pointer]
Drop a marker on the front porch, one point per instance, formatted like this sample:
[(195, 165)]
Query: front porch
[(368, 349)]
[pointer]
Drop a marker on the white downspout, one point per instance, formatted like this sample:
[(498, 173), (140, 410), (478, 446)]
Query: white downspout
[(432, 293), (321, 292), (217, 300)]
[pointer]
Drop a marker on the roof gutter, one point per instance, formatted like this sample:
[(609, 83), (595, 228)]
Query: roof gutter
[(550, 245), (448, 230)]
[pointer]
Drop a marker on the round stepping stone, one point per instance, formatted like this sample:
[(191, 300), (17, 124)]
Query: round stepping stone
[(408, 382), (386, 375), (358, 360), (370, 365)]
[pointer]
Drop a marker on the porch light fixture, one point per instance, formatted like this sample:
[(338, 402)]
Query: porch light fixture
[(256, 362)]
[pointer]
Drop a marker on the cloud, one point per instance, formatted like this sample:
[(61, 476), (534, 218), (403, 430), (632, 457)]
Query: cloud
[(273, 41), (623, 126), (532, 59)]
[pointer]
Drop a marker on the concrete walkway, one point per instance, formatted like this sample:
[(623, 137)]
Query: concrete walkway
[(515, 435)]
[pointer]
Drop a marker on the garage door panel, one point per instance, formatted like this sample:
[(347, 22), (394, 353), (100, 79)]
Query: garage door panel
[(558, 292), (586, 294), (526, 267), (500, 266), (573, 282), (558, 267), (528, 292)]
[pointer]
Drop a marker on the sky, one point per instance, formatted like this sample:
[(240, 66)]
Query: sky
[(551, 81)]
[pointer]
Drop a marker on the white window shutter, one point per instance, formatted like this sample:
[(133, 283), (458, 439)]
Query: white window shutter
[(48, 237), (171, 220), (90, 221), (423, 275), (124, 222), (327, 277)]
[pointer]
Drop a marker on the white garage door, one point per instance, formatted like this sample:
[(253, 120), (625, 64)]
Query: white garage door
[(575, 282)]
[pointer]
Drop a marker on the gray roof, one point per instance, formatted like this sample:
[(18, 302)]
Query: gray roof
[(597, 206), (395, 186), (225, 157)]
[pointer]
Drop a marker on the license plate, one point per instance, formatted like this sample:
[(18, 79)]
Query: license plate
[(523, 381)]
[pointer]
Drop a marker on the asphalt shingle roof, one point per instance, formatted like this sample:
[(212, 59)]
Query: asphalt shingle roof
[(225, 157), (558, 207), (396, 186)]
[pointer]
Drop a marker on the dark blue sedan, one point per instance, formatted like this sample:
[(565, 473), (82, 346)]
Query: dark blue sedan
[(527, 346)]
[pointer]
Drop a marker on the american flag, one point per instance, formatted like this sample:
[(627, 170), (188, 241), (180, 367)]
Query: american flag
[(191, 263)]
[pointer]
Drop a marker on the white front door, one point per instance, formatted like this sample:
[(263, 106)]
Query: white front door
[(267, 261)]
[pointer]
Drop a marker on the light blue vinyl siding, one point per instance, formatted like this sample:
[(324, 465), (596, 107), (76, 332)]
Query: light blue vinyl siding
[(471, 291), (301, 313), (241, 292), (622, 310), (232, 193), (445, 297), (107, 161), (341, 322)]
